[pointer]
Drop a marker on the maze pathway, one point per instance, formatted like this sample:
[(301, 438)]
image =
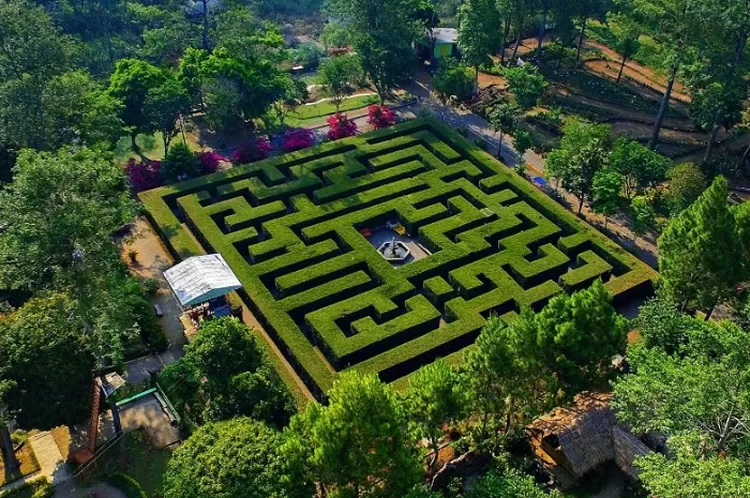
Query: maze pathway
[(290, 229)]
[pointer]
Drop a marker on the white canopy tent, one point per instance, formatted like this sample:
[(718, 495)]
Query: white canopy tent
[(200, 279)]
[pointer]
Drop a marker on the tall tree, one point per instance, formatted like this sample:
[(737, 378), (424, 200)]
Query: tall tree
[(640, 167), (131, 83), (46, 335), (673, 24), (605, 193), (686, 184), (503, 119), (382, 34), (233, 459), (627, 35), (339, 76), (356, 446), (526, 84), (477, 32), (164, 107), (702, 252), (433, 401)]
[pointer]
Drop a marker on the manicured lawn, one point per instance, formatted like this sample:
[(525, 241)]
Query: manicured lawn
[(152, 147), (326, 108)]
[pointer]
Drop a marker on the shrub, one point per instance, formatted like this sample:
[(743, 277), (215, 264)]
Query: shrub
[(211, 161), (380, 116), (127, 485), (180, 162), (252, 151), (297, 139), (341, 127), (144, 176), (150, 286)]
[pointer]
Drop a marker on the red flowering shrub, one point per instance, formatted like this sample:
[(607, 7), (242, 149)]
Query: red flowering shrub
[(341, 127), (144, 176), (380, 116), (210, 161), (255, 150), (297, 139)]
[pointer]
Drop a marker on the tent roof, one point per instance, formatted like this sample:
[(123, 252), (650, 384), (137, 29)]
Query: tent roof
[(200, 279)]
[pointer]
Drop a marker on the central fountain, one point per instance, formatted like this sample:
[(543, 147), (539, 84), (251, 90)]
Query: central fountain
[(394, 251)]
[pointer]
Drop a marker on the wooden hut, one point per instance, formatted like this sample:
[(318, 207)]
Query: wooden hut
[(581, 437)]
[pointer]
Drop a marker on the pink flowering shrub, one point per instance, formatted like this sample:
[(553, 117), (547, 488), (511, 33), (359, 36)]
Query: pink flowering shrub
[(341, 127), (211, 161), (380, 116), (297, 139), (254, 150), (144, 176)]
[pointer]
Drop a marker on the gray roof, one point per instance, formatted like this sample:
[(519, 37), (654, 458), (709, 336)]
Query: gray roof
[(200, 279), (445, 35)]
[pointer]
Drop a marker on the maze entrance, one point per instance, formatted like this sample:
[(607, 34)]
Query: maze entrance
[(297, 232)]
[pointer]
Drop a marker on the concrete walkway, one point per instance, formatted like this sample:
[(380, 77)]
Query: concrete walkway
[(51, 462)]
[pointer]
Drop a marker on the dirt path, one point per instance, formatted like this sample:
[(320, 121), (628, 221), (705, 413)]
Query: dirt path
[(642, 74)]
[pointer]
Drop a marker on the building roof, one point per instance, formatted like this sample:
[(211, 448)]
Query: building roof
[(200, 279), (445, 35)]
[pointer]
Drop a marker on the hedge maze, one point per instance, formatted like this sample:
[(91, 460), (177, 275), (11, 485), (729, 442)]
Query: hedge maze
[(291, 229)]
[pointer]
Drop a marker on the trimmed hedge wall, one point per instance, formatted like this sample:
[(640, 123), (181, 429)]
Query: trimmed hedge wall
[(290, 229)]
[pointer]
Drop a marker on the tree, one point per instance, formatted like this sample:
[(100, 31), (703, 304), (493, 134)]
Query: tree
[(508, 483), (199, 467), (627, 35), (222, 98), (237, 378), (702, 390), (130, 83), (583, 151), (432, 401), (338, 77), (179, 162), (164, 106), (686, 184), (33, 341), (295, 94), (702, 252), (382, 34), (34, 51), (335, 35), (522, 141), (578, 335), (9, 458), (526, 84), (673, 24), (605, 192), (644, 217), (477, 32), (689, 475), (357, 445), (583, 9), (503, 379), (453, 79), (639, 166), (503, 119)]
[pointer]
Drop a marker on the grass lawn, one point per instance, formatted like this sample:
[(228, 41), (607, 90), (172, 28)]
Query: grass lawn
[(152, 147), (326, 108), (28, 465), (134, 456)]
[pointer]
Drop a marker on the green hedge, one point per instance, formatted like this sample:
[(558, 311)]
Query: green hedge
[(290, 228), (127, 485)]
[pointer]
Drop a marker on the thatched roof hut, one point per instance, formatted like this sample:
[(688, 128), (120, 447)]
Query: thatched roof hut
[(584, 435)]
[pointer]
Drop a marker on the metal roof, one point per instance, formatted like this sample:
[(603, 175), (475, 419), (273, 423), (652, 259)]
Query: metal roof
[(200, 279), (445, 35)]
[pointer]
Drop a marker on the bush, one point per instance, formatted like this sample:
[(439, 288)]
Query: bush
[(297, 139), (380, 116), (211, 161), (252, 151), (150, 286), (341, 127), (144, 176), (454, 79), (127, 485), (180, 162)]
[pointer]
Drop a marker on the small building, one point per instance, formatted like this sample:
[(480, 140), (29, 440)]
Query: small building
[(582, 436), (445, 43)]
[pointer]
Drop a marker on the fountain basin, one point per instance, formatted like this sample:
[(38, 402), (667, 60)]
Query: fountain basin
[(394, 251)]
